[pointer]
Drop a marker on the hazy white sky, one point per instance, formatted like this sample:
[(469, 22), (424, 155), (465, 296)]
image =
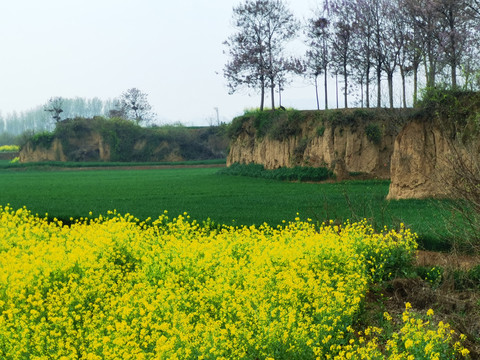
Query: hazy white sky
[(171, 50)]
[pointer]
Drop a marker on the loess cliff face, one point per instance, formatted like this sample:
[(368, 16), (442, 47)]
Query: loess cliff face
[(90, 147), (51, 152), (426, 161), (345, 148)]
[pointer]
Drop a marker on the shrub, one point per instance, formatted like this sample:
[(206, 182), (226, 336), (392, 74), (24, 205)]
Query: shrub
[(373, 133), (297, 173), (235, 128), (43, 139), (320, 130), (286, 124)]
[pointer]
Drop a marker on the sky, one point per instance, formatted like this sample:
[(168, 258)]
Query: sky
[(170, 50)]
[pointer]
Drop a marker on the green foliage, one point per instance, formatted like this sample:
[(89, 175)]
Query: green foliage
[(297, 173), (461, 279), (277, 125), (432, 274), (43, 139), (286, 124), (235, 128), (9, 139), (455, 109), (373, 133), (299, 150), (320, 130)]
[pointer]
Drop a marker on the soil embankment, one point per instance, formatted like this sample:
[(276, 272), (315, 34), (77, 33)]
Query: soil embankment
[(349, 142)]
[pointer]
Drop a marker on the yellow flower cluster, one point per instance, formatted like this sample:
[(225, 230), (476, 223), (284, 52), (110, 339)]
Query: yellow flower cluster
[(118, 288), (416, 339), (9, 148)]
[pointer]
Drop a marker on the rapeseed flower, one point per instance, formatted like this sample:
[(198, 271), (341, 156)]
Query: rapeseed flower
[(115, 287)]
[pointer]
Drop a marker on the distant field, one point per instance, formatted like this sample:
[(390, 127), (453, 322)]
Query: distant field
[(204, 194)]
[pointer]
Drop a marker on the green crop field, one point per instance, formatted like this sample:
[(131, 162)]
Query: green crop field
[(203, 194)]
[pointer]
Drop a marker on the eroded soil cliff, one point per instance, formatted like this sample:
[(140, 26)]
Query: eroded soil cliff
[(351, 142)]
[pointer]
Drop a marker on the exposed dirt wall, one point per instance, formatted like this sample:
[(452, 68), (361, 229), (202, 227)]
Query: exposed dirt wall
[(345, 149), (425, 160)]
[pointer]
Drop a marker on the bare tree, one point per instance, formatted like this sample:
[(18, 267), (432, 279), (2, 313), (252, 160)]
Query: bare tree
[(257, 48), (342, 42), (318, 55), (364, 46), (455, 34), (134, 105), (392, 41), (55, 107)]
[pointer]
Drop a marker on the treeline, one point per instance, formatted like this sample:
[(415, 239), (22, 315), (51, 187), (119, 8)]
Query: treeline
[(361, 43), (40, 119)]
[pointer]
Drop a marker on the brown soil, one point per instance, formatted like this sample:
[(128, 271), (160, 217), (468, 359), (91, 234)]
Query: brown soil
[(450, 261)]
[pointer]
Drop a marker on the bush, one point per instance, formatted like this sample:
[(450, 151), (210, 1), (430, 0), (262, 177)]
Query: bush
[(286, 124), (43, 139), (235, 128), (373, 133), (297, 173), (320, 130)]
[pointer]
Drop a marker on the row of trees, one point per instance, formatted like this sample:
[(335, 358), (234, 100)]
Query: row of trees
[(132, 104), (363, 41)]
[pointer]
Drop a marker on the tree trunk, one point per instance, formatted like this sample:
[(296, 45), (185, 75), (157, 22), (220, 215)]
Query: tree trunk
[(379, 86), (404, 97), (336, 86), (325, 86), (454, 74), (367, 85), (345, 92), (262, 94), (361, 93), (415, 85), (390, 88), (272, 92), (316, 92)]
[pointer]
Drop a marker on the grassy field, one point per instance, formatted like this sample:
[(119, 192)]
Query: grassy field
[(224, 199)]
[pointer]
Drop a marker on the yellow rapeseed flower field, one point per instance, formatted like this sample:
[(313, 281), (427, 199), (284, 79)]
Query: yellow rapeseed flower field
[(9, 148), (118, 288)]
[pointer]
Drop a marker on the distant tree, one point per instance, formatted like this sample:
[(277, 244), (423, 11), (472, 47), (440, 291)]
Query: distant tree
[(55, 107), (134, 105), (257, 47)]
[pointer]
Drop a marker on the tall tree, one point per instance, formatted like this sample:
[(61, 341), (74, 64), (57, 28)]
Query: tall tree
[(342, 42), (364, 46), (257, 48), (392, 41), (318, 54), (454, 33)]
